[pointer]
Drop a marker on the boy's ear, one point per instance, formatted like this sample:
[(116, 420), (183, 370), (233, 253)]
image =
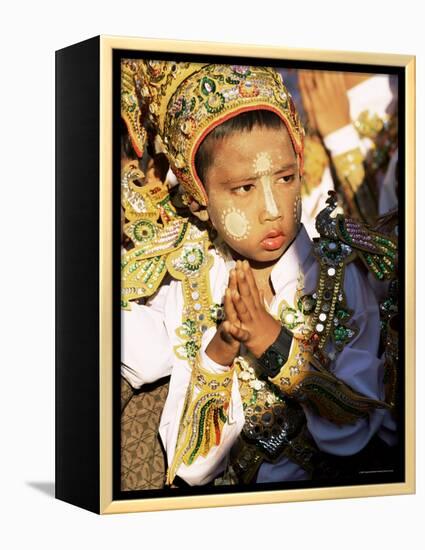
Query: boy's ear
[(199, 211)]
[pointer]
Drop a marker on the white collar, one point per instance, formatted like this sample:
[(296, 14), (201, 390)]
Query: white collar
[(287, 269)]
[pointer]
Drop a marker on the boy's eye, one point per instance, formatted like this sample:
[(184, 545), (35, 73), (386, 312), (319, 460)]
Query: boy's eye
[(243, 189), (286, 179)]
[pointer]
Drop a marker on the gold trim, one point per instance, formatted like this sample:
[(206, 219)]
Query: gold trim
[(107, 505), (410, 270), (252, 50), (262, 497)]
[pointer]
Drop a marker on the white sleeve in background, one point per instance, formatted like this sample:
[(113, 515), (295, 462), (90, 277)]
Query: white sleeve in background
[(146, 351), (359, 366), (343, 140)]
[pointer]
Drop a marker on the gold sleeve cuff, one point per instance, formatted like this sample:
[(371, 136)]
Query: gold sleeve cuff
[(350, 169), (306, 380)]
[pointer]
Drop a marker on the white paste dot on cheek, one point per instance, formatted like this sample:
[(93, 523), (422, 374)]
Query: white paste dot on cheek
[(235, 223)]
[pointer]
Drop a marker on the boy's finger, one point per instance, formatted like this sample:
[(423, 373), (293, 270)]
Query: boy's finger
[(226, 332), (251, 283), (241, 309), (232, 280), (229, 308), (243, 287), (239, 333)]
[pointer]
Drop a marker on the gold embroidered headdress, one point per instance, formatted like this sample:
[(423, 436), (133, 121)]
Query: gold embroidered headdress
[(185, 101)]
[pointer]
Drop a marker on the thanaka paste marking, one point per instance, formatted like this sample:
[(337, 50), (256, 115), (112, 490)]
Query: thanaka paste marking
[(235, 223), (298, 209), (263, 168)]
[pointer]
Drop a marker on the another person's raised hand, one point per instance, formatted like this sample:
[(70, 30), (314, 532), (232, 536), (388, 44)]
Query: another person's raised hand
[(325, 100)]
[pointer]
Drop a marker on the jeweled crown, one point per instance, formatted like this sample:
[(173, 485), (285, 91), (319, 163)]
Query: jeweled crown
[(186, 101)]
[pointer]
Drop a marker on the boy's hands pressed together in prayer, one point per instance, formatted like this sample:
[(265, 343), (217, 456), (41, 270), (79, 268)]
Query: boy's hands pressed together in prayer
[(225, 345), (261, 329), (247, 320)]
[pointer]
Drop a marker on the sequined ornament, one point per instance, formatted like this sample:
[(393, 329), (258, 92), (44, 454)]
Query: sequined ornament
[(144, 267), (271, 421), (208, 396), (350, 170), (130, 107), (369, 124), (134, 201), (217, 313), (378, 251)]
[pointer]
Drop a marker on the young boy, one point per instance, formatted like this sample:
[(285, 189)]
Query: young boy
[(290, 375)]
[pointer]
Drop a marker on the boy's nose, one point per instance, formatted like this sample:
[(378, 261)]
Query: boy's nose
[(269, 210), (267, 216)]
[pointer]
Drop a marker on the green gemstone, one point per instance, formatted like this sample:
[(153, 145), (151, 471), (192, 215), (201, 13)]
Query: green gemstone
[(207, 86)]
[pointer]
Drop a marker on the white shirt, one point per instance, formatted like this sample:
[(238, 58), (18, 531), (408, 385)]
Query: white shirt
[(149, 336)]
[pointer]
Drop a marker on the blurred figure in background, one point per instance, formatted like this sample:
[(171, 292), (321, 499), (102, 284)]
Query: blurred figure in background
[(351, 143)]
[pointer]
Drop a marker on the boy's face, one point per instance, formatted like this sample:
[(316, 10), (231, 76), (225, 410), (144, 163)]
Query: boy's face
[(253, 188)]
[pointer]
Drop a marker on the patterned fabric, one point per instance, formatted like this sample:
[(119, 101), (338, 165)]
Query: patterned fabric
[(143, 464), (126, 393)]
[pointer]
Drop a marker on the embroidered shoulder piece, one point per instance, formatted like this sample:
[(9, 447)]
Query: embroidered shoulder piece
[(144, 267), (154, 229), (378, 251)]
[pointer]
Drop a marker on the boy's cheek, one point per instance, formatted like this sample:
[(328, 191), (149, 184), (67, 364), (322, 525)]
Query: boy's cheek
[(232, 223)]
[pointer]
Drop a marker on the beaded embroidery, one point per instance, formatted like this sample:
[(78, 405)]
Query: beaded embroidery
[(351, 238), (203, 417), (270, 419), (130, 109)]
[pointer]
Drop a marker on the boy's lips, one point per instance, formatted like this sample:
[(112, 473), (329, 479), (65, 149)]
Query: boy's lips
[(273, 240)]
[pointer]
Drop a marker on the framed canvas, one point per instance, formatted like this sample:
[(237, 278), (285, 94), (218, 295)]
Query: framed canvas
[(235, 274)]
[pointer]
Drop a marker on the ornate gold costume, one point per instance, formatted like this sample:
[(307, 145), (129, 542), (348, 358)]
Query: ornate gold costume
[(186, 101)]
